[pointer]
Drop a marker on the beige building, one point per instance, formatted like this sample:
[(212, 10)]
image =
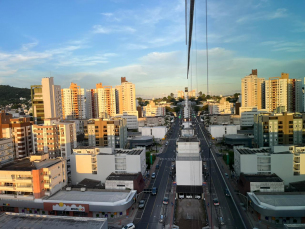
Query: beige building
[(279, 129), (126, 95), (284, 92), (6, 150), (152, 109), (223, 107), (252, 91), (73, 102), (33, 177), (106, 132), (19, 129), (58, 138), (46, 100)]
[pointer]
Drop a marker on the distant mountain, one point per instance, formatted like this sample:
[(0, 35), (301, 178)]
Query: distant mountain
[(10, 94)]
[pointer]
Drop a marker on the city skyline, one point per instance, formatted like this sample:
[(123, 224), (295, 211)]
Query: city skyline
[(101, 42)]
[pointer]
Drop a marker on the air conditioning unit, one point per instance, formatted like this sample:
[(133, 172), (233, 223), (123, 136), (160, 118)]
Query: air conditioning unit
[(83, 189), (68, 188)]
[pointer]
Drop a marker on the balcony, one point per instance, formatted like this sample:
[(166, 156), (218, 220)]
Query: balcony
[(27, 180), (47, 185), (47, 177), (296, 160), (24, 188), (7, 188)]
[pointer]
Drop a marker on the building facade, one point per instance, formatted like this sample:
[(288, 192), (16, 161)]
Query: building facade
[(126, 96), (6, 150), (73, 102), (223, 107), (218, 131), (151, 110)]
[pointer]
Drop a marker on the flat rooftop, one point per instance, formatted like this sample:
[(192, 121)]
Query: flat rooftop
[(123, 176), (142, 138), (253, 151), (106, 196), (18, 220), (26, 165), (89, 184), (129, 152), (88, 147), (279, 199), (188, 139), (262, 178), (236, 136), (188, 157)]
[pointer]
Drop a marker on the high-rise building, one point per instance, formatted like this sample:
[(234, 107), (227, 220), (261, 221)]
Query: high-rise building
[(127, 96), (180, 94), (278, 129), (19, 129), (101, 102), (73, 102), (46, 100), (58, 138), (106, 132), (6, 150), (252, 91)]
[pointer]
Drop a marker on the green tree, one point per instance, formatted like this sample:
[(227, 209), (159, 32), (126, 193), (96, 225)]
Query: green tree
[(172, 95), (200, 93)]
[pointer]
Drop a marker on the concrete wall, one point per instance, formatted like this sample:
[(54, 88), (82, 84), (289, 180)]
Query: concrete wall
[(189, 172), (157, 132), (188, 147), (218, 131), (273, 186), (113, 184)]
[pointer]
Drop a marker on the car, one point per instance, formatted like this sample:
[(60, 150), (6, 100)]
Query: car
[(227, 176), (189, 196), (221, 221), (129, 226), (141, 204), (157, 166), (198, 197), (216, 202), (227, 193), (181, 196), (154, 191), (162, 218), (165, 200), (153, 175)]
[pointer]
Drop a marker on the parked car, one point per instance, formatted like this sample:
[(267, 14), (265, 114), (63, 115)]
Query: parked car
[(198, 197), (188, 196), (216, 202), (157, 166), (129, 226), (165, 200), (227, 192), (227, 176), (162, 218), (154, 191), (181, 196), (141, 204), (153, 175)]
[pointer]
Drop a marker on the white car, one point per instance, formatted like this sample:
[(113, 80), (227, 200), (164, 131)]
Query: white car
[(189, 196), (198, 197), (129, 226), (181, 196)]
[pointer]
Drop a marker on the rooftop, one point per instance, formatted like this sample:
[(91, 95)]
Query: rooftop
[(87, 147), (106, 196), (262, 178), (253, 151), (129, 152), (278, 199), (26, 165), (188, 139), (236, 136), (17, 220), (142, 138), (89, 183), (188, 157), (123, 176)]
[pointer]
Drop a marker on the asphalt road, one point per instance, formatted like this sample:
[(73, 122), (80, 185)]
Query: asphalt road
[(152, 211), (226, 207)]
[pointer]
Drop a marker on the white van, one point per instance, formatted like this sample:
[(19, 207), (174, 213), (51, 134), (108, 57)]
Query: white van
[(189, 196), (181, 196)]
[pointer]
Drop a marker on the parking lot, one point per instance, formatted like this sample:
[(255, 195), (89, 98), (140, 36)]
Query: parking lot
[(190, 214)]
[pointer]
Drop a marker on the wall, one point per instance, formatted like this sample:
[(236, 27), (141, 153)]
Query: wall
[(156, 132), (189, 172), (188, 147), (218, 131), (274, 186), (248, 164), (113, 184)]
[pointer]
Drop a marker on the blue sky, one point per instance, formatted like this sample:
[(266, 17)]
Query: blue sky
[(92, 41)]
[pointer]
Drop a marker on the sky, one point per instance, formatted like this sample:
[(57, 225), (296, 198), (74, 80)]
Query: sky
[(100, 41)]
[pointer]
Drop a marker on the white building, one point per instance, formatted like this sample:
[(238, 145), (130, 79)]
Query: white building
[(223, 107), (285, 161), (151, 110), (131, 120), (6, 150), (52, 101), (158, 132), (106, 101), (247, 115), (98, 163), (218, 131)]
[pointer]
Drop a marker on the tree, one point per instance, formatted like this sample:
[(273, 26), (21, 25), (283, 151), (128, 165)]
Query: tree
[(172, 95), (200, 93)]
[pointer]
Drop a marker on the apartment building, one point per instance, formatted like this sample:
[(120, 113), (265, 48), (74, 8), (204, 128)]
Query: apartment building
[(131, 120), (73, 102), (252, 91), (106, 132), (6, 150), (32, 177), (151, 110), (46, 100), (223, 107), (98, 163), (247, 114), (101, 102), (126, 96), (192, 93), (287, 162), (284, 92), (278, 129), (58, 138), (18, 129)]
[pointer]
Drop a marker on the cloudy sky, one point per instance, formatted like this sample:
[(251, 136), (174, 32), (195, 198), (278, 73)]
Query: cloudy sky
[(92, 41)]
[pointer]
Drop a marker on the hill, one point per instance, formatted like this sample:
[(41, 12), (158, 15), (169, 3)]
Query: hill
[(10, 94)]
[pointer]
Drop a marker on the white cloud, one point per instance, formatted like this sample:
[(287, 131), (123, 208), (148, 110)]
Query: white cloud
[(279, 13), (26, 47), (113, 29)]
